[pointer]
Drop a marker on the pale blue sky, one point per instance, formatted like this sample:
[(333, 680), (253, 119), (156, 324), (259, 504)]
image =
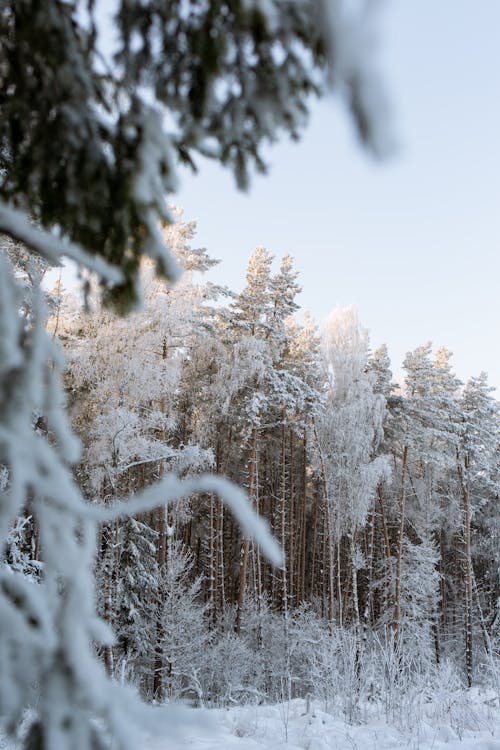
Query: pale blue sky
[(414, 243)]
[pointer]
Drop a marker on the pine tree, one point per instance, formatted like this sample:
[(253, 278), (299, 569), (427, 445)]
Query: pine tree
[(424, 430), (477, 468), (252, 308), (136, 595)]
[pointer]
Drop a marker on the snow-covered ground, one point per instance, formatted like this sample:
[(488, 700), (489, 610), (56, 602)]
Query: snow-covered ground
[(467, 722), (462, 720)]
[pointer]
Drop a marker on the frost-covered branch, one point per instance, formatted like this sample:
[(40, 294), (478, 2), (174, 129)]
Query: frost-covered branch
[(171, 489), (17, 226)]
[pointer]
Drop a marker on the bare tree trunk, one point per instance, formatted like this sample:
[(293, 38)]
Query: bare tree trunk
[(221, 570), (467, 566), (283, 524), (368, 614), (443, 617), (328, 550), (242, 582), (160, 523), (161, 530), (315, 543), (212, 562), (292, 562), (245, 547), (387, 547), (258, 557), (397, 584), (329, 563), (355, 593), (301, 530)]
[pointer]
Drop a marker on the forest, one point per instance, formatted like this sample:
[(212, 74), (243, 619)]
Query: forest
[(208, 505), (382, 495)]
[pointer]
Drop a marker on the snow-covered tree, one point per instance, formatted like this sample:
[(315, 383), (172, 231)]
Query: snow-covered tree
[(183, 624), (477, 468), (349, 432), (49, 627), (129, 598), (380, 365), (123, 374), (425, 444)]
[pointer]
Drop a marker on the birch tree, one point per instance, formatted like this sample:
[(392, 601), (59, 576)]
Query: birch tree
[(349, 433)]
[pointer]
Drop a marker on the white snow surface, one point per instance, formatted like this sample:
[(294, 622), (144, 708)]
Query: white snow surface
[(303, 725), (460, 720)]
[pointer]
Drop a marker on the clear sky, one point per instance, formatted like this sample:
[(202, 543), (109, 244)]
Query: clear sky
[(414, 242)]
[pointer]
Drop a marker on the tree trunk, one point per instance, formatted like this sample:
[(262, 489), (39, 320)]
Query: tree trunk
[(399, 557), (301, 530), (387, 547), (290, 507), (467, 565), (161, 529), (245, 547), (283, 523)]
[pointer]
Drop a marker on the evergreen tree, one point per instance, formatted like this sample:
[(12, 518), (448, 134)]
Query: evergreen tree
[(477, 468), (136, 596)]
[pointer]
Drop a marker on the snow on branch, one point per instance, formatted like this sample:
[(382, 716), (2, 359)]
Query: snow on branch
[(352, 47), (16, 225), (172, 489)]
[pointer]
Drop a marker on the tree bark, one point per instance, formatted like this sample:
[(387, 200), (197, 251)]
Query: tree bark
[(245, 547), (467, 565), (399, 557), (161, 528)]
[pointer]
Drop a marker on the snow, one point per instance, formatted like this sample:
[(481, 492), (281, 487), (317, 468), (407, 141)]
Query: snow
[(468, 720), (353, 45), (303, 725), (154, 160), (16, 225), (171, 489)]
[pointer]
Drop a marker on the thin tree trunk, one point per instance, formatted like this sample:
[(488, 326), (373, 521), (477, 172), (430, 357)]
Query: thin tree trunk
[(368, 614), (161, 529), (292, 562), (328, 550), (220, 594), (258, 556), (387, 547), (245, 547), (315, 543), (354, 583), (212, 562), (329, 563), (283, 524), (464, 480), (301, 530), (397, 584), (221, 570)]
